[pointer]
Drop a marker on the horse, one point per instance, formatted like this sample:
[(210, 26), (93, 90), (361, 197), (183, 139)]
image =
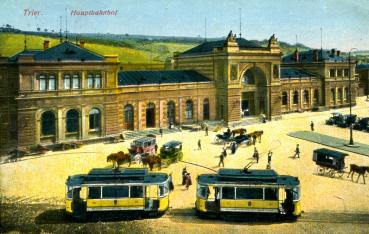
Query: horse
[(358, 169), (256, 134), (118, 159), (152, 160), (240, 131)]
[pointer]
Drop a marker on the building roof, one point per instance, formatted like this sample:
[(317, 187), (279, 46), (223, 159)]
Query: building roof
[(159, 77), (208, 46), (65, 51), (307, 57), (294, 73), (362, 66)]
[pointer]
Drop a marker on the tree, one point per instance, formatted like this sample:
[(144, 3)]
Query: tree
[(38, 29)]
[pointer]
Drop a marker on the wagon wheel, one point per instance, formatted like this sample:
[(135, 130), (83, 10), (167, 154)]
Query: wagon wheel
[(340, 173), (321, 170), (331, 173)]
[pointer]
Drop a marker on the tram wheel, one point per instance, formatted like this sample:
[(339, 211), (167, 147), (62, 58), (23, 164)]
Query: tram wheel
[(321, 170), (340, 173), (331, 173)]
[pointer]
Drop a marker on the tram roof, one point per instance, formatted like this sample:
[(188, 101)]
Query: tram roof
[(251, 176), (124, 175)]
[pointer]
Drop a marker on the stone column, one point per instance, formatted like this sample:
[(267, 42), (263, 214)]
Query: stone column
[(60, 126), (84, 128)]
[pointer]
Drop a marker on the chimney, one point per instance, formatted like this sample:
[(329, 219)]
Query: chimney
[(82, 44), (338, 53), (46, 44), (315, 55), (333, 52), (297, 55)]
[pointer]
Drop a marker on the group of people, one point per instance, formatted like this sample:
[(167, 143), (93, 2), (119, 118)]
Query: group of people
[(186, 178)]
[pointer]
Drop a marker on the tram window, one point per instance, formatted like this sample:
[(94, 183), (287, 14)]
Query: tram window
[(228, 192), (163, 191), (136, 191), (69, 191), (94, 192), (249, 193), (201, 191), (115, 191), (270, 194), (296, 193), (122, 191)]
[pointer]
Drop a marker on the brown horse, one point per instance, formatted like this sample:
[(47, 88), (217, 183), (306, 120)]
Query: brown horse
[(152, 160), (358, 169), (256, 134), (119, 158), (240, 131)]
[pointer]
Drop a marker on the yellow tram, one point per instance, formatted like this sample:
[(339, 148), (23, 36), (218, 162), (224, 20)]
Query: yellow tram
[(124, 190), (241, 192)]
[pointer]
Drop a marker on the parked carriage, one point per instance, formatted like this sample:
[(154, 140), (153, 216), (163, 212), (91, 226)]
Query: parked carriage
[(171, 151), (124, 191), (336, 117), (329, 162), (362, 124), (143, 146), (225, 137)]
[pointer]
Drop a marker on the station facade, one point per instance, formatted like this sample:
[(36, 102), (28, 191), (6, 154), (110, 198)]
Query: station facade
[(67, 93)]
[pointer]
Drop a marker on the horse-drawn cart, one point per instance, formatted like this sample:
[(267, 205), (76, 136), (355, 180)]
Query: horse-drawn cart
[(171, 152), (329, 162), (143, 146)]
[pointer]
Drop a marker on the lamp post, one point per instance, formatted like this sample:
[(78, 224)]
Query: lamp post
[(351, 143)]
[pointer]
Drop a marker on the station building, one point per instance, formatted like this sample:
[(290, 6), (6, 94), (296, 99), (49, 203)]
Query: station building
[(67, 93)]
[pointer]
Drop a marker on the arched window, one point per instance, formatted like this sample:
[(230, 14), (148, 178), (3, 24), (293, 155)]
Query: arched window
[(333, 95), (48, 123), (306, 96), (129, 117), (284, 98), (95, 119), (150, 115), (248, 78), (72, 121), (189, 109), (295, 97), (171, 112), (339, 94), (206, 110)]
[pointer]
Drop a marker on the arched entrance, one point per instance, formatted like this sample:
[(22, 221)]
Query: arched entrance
[(128, 117), (254, 93), (150, 115), (48, 126), (72, 124), (171, 112), (206, 111)]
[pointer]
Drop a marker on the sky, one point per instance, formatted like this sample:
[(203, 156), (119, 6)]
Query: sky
[(344, 23)]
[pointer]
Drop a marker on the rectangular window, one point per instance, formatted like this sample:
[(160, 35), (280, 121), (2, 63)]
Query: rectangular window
[(66, 82), (228, 192), (52, 83), (201, 191), (94, 192), (115, 191), (249, 193), (98, 81), (136, 191), (270, 194), (339, 72), (90, 81), (332, 73), (346, 72), (42, 82), (163, 191), (75, 84)]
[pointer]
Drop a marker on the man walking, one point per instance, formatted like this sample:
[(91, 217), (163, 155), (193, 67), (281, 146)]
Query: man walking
[(297, 151), (206, 131), (270, 154), (312, 126), (184, 173), (221, 160), (256, 155), (199, 145), (156, 148), (188, 180)]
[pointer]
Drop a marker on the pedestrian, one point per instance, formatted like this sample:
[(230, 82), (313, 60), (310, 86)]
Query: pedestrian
[(184, 173), (297, 151), (256, 155), (228, 131), (233, 147), (161, 132), (206, 131), (188, 180), (224, 151), (254, 139), (312, 126), (156, 148), (270, 154), (199, 145), (221, 160)]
